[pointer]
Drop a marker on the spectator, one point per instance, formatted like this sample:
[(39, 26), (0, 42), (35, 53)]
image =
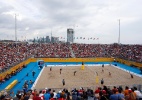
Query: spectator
[(126, 92), (120, 95), (47, 95), (114, 96), (138, 94), (132, 95), (37, 97), (54, 94)]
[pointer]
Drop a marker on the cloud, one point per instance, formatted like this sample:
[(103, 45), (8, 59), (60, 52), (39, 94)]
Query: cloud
[(93, 18)]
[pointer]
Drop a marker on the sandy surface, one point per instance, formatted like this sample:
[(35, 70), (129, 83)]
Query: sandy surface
[(84, 78)]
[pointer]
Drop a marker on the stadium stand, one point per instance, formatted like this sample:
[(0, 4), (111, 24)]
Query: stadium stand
[(129, 52), (14, 53), (100, 93)]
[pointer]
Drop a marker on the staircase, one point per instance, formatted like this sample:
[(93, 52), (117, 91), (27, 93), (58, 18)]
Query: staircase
[(72, 54)]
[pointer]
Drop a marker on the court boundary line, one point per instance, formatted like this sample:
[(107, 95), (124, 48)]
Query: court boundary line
[(33, 86)]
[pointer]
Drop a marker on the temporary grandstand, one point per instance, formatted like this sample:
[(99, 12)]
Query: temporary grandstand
[(18, 61)]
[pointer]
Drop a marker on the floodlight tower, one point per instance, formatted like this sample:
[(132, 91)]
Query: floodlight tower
[(16, 27), (119, 32)]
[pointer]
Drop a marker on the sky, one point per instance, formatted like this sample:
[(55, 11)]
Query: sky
[(89, 19)]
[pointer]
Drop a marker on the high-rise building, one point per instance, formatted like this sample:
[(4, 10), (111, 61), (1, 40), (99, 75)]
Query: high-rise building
[(70, 35), (54, 39), (47, 39)]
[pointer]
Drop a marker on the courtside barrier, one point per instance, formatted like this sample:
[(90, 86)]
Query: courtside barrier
[(99, 59), (129, 63), (15, 67), (11, 85)]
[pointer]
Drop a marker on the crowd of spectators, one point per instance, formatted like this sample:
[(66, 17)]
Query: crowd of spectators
[(128, 52), (13, 53), (100, 93), (9, 75), (52, 50)]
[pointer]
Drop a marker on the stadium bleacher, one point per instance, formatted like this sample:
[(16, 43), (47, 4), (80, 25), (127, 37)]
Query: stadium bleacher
[(14, 53)]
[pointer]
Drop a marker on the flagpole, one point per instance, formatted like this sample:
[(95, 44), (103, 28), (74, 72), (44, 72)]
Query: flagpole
[(73, 33), (119, 33), (51, 35), (15, 28)]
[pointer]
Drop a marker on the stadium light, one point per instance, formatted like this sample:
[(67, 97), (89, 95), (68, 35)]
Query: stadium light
[(119, 32), (16, 27)]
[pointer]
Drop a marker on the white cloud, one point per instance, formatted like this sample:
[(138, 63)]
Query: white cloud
[(27, 28)]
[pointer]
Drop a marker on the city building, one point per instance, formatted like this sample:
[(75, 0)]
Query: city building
[(47, 40), (54, 39), (70, 35)]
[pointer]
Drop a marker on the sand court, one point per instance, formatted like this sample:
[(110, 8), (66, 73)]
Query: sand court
[(84, 78)]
